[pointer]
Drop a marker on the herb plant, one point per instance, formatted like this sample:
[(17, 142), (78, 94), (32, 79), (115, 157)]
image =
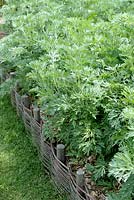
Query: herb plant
[(76, 59)]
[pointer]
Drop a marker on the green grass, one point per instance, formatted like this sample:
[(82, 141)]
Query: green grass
[(22, 176)]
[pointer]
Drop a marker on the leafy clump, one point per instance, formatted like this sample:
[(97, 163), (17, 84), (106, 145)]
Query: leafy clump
[(126, 192), (76, 59)]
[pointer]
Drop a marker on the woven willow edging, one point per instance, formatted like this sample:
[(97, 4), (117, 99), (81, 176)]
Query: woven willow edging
[(60, 173)]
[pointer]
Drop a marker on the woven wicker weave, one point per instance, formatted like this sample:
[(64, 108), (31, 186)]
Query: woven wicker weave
[(61, 174)]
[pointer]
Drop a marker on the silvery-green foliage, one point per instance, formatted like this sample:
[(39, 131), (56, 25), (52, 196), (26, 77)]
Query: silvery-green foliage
[(76, 58)]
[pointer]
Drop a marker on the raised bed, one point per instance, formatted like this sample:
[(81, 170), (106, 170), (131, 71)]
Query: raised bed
[(51, 157)]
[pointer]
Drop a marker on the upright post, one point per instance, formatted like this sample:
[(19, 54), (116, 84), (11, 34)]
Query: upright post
[(80, 180), (3, 76), (61, 152), (12, 74), (36, 112), (17, 86), (26, 101)]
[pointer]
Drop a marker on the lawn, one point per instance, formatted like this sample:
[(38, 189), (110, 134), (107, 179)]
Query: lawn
[(22, 176)]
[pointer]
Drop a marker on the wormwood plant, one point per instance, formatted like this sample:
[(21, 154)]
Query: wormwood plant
[(126, 191), (76, 59)]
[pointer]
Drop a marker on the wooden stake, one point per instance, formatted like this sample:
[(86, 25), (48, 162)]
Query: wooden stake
[(17, 86), (80, 180), (36, 112), (61, 152), (12, 74), (26, 101)]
